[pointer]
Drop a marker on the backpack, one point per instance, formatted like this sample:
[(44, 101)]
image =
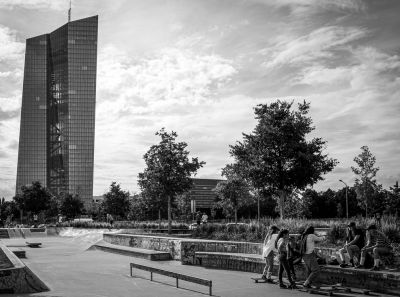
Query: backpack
[(303, 245)]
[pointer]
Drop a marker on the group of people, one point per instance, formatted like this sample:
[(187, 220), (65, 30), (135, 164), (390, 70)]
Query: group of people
[(201, 218), (377, 245), (291, 252)]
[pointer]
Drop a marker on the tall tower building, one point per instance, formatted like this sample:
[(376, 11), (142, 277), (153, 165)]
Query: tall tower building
[(56, 141)]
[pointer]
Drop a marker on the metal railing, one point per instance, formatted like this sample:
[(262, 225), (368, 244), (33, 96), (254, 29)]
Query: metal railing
[(177, 276)]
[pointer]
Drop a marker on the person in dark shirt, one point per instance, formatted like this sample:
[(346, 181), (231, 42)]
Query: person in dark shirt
[(354, 244)]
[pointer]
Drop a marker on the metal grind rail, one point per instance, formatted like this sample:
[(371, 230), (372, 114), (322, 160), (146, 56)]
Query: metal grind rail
[(177, 276)]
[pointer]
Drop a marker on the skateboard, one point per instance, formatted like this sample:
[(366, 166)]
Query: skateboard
[(315, 290), (262, 280), (33, 244)]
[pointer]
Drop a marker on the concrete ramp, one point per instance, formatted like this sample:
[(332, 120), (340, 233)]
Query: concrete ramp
[(16, 277)]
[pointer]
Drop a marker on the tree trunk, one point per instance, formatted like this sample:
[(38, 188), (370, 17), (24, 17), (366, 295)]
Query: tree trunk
[(159, 218), (236, 216), (258, 208), (282, 196), (169, 216)]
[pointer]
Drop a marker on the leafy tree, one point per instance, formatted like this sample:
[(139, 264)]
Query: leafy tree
[(392, 200), (34, 198), (295, 206), (168, 169), (277, 157), (8, 210), (116, 201), (139, 208), (340, 198), (365, 184), (183, 204), (71, 206), (232, 194)]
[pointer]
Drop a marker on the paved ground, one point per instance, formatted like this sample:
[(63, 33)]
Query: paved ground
[(68, 269)]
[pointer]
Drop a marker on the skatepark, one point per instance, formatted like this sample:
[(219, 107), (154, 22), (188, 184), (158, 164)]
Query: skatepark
[(68, 265)]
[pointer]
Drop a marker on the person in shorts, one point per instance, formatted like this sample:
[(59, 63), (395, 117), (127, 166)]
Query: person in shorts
[(377, 244), (354, 243)]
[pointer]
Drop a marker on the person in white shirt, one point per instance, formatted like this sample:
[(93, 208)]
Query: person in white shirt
[(308, 240), (269, 251)]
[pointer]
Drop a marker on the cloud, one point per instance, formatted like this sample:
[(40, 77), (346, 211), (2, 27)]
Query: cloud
[(10, 47), (35, 4), (316, 46), (171, 74), (136, 97), (305, 7)]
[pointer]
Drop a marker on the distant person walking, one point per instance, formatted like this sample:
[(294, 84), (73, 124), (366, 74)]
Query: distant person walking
[(308, 240), (281, 244), (269, 251)]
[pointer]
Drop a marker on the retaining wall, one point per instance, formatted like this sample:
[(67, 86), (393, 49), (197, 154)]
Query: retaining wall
[(175, 245), (26, 232), (16, 277)]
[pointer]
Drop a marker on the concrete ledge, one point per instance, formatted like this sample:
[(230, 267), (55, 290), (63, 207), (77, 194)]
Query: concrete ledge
[(18, 252), (24, 232), (380, 281), (133, 252), (175, 245), (18, 278)]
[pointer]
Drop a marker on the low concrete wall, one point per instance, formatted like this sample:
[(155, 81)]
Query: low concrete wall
[(26, 232), (157, 243), (176, 245), (17, 278)]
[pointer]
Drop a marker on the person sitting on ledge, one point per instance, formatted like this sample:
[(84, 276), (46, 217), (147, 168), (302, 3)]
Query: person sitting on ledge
[(377, 244), (354, 244)]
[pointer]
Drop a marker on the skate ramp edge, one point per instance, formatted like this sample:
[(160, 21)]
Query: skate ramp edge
[(16, 277)]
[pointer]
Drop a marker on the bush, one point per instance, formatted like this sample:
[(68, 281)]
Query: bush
[(253, 231)]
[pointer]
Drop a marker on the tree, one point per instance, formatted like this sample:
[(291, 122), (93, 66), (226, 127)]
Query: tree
[(116, 201), (277, 157), (183, 204), (34, 198), (168, 169), (71, 206), (365, 184), (393, 199), (232, 193), (8, 210)]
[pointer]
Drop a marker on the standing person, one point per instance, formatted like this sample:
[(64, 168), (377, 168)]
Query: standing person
[(204, 219), (354, 243), (377, 244), (269, 252), (308, 240), (281, 244), (294, 256), (198, 218)]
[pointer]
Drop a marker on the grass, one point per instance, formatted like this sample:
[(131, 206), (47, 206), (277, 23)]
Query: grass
[(252, 231)]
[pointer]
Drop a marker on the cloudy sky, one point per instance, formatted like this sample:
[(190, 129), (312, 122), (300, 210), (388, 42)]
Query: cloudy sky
[(199, 67)]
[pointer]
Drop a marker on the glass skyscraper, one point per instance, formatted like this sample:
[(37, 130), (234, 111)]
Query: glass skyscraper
[(56, 142)]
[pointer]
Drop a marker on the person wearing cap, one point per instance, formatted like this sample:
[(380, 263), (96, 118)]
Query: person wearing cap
[(377, 244), (354, 244)]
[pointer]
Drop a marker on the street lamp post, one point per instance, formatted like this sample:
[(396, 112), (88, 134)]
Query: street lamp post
[(347, 201)]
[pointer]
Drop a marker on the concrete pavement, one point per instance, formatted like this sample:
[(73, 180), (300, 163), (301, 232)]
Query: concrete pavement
[(68, 269)]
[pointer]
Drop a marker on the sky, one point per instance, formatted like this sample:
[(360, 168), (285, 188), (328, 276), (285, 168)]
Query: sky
[(199, 67)]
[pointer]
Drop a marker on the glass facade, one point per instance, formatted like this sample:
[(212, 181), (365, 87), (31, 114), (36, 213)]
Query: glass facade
[(56, 145)]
